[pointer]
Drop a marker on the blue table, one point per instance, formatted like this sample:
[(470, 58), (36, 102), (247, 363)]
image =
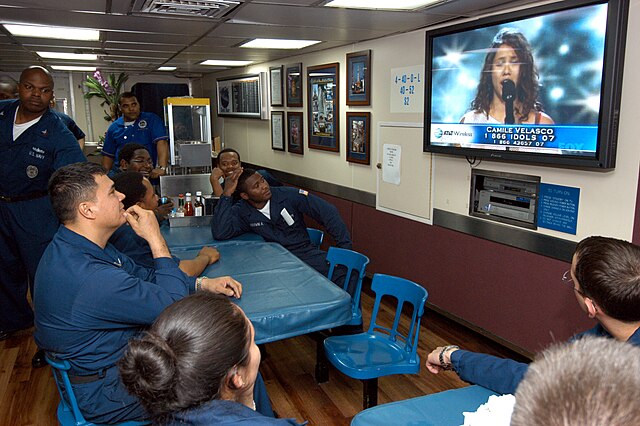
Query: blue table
[(438, 409), (282, 296), (197, 236)]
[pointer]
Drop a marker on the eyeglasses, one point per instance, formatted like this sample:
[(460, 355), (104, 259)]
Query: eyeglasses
[(141, 161), (568, 279)]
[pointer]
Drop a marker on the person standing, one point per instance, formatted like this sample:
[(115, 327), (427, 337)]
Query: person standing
[(33, 144), (144, 128)]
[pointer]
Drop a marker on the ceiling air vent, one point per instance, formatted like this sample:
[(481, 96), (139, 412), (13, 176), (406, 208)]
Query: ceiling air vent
[(194, 8)]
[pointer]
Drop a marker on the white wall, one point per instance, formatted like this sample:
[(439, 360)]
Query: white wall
[(607, 200)]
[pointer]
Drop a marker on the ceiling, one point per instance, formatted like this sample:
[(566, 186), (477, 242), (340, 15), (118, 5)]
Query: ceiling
[(139, 42)]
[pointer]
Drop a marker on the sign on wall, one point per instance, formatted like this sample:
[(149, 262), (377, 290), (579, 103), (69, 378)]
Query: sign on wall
[(407, 89)]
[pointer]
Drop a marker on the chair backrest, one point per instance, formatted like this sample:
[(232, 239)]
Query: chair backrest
[(60, 369), (354, 262), (404, 291), (316, 236)]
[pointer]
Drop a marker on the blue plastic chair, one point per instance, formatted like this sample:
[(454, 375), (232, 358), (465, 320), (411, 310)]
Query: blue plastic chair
[(354, 262), (68, 412), (381, 351), (316, 236)]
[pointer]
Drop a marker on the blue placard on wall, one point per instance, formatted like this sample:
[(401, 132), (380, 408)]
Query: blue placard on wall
[(558, 207)]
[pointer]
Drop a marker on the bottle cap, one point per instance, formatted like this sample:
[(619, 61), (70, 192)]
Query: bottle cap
[(198, 193), (188, 194)]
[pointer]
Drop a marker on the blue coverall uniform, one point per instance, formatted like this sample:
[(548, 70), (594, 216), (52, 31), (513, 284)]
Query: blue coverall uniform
[(88, 303), (70, 124), (147, 130), (220, 412), (504, 375), (27, 222), (231, 219)]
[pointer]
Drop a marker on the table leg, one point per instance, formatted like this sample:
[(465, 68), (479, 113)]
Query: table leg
[(322, 367), (369, 393)]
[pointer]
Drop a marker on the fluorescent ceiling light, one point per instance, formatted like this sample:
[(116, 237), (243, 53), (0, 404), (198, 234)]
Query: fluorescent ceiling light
[(72, 68), (167, 68), (382, 4), (61, 55), (65, 33), (225, 63), (278, 43)]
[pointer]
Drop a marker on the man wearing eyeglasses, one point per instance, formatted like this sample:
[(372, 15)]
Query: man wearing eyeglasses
[(33, 144), (605, 277)]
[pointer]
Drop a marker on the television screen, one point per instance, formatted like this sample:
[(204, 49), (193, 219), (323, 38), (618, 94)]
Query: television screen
[(538, 85)]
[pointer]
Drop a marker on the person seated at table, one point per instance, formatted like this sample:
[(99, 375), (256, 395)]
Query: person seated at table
[(605, 277), (197, 365), (138, 191), (90, 299), (135, 157), (277, 214), (591, 381), (229, 161)]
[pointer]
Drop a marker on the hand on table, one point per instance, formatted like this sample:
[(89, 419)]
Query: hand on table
[(211, 252), (223, 285)]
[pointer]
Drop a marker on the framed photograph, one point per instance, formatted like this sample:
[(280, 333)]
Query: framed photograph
[(275, 77), (239, 96), (359, 78), (294, 85), (295, 132), (323, 106), (358, 137), (277, 130)]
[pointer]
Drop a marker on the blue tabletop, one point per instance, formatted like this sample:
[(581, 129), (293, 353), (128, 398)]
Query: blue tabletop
[(438, 409), (282, 296), (197, 236)]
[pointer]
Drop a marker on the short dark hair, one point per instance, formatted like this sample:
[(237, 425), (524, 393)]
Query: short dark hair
[(72, 184), (591, 381), (229, 151), (608, 271), (184, 359), (126, 95), (131, 184), (127, 151), (242, 180)]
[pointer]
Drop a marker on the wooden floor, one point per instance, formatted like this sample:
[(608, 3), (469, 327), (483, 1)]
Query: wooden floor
[(29, 396)]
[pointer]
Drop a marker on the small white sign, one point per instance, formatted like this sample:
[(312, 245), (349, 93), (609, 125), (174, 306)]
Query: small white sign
[(407, 89), (391, 163)]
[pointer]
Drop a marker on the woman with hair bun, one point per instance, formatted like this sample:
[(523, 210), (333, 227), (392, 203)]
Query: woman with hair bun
[(197, 365)]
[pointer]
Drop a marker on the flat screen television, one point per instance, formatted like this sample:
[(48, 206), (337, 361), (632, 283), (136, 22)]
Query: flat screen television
[(540, 85)]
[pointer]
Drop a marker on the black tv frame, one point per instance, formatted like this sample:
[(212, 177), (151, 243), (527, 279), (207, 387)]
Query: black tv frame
[(611, 90)]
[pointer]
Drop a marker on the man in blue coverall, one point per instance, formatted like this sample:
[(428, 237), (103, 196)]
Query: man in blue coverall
[(605, 276), (33, 143), (144, 128), (277, 214), (90, 298)]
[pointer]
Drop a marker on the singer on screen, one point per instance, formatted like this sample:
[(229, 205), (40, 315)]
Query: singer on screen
[(508, 88)]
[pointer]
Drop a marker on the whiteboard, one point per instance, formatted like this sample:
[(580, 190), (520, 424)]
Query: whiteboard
[(412, 197)]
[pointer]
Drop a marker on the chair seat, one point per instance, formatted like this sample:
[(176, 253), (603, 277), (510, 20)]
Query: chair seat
[(366, 356)]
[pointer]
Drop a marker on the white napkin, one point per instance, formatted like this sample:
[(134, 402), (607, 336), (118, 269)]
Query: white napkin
[(495, 412)]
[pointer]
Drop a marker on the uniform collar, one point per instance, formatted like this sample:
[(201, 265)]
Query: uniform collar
[(72, 238)]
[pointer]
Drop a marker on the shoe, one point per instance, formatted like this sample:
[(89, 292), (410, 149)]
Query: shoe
[(38, 360)]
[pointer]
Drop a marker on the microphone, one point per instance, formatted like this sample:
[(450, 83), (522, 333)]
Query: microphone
[(508, 96)]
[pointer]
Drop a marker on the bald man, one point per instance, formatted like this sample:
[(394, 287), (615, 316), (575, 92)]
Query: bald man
[(33, 144), (8, 87)]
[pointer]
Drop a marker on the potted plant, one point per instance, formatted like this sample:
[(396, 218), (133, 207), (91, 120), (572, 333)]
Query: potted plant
[(109, 90)]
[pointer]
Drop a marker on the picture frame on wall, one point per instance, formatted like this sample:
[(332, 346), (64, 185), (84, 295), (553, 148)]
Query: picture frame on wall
[(294, 84), (275, 88), (359, 78), (323, 106), (295, 132), (277, 130), (358, 137), (240, 96)]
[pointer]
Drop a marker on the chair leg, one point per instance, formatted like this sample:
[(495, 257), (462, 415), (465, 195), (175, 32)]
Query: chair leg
[(322, 369), (369, 393)]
